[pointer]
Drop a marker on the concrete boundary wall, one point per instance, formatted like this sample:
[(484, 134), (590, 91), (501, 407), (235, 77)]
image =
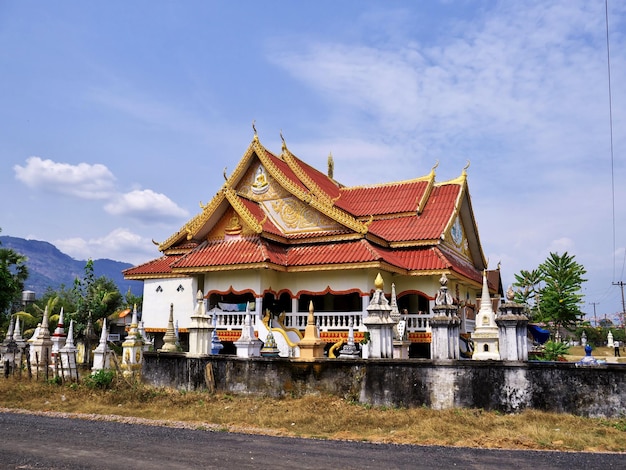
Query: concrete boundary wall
[(598, 391)]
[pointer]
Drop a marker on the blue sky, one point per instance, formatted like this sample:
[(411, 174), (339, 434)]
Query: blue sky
[(119, 117)]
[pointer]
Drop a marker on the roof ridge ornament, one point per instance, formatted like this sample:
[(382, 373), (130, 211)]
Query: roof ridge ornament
[(256, 136), (331, 166), (432, 170), (284, 146)]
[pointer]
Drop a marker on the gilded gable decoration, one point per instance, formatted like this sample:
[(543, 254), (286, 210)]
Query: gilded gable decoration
[(292, 215), (247, 188), (233, 229), (260, 184)]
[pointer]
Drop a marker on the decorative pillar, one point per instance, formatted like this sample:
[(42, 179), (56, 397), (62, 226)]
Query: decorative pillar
[(148, 343), (200, 329), (248, 345), (101, 359), (169, 340), (311, 346), (132, 348), (41, 346), (379, 324), (512, 324), (444, 325), (485, 335), (67, 355), (400, 343), (58, 338), (17, 335)]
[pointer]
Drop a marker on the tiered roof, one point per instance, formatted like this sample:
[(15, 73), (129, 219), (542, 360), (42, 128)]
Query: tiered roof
[(300, 219)]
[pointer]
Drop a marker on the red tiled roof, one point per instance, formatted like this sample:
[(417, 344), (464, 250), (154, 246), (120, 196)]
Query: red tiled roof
[(320, 179), (227, 252), (257, 250), (160, 265), (429, 225), (358, 251), (383, 199), (460, 265), (421, 259), (441, 202), (285, 170)]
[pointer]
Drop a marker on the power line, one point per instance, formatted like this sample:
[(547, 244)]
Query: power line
[(608, 62)]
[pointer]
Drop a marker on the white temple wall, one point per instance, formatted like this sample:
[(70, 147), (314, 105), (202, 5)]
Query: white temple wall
[(239, 280), (158, 294)]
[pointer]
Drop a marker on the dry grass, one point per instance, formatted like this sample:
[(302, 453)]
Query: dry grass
[(323, 417)]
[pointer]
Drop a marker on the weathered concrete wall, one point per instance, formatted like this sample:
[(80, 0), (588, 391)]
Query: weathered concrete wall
[(598, 391)]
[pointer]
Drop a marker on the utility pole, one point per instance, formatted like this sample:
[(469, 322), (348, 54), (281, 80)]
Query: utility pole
[(621, 284), (595, 319)]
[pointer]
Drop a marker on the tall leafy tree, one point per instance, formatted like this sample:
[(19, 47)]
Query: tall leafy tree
[(13, 275), (553, 291), (98, 297)]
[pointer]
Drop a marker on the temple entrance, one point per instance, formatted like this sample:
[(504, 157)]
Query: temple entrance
[(229, 301), (413, 302), (329, 302)]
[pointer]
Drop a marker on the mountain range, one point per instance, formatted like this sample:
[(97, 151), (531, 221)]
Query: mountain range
[(48, 267)]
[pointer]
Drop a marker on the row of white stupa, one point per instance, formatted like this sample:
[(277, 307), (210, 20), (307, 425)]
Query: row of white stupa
[(495, 337), (59, 352)]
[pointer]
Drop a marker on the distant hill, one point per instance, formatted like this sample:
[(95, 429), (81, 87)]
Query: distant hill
[(49, 267)]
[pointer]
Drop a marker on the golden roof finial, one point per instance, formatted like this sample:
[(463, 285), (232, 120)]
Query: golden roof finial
[(225, 177), (378, 282), (465, 168), (283, 139), (254, 127), (432, 170)]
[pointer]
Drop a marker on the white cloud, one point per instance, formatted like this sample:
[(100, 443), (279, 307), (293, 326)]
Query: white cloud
[(83, 180), (147, 206), (529, 74), (121, 244)]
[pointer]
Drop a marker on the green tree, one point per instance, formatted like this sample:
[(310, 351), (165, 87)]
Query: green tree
[(13, 274), (553, 291), (98, 297)]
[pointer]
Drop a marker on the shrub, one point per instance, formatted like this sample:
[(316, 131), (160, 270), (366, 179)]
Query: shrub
[(101, 379), (554, 350)]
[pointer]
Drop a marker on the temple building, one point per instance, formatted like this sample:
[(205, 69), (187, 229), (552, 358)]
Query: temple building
[(280, 235)]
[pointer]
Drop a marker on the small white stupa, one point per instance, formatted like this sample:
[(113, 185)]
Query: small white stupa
[(58, 338), (200, 329), (101, 358), (67, 355), (485, 335), (41, 345), (132, 348), (248, 345)]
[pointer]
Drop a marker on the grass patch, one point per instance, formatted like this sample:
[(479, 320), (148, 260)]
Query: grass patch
[(321, 417)]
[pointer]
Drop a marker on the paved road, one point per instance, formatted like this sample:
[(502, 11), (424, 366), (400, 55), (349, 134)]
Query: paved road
[(42, 442)]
